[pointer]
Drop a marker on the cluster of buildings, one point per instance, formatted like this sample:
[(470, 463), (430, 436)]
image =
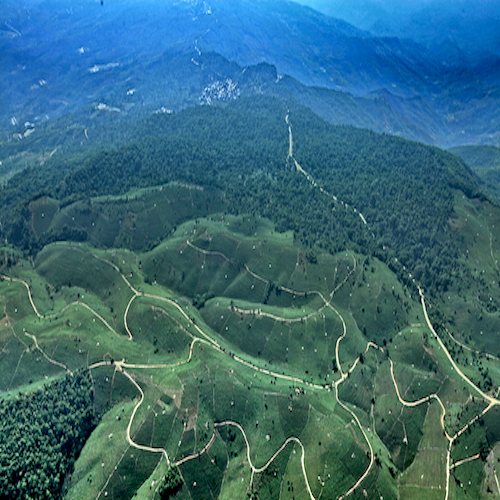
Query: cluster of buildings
[(220, 91)]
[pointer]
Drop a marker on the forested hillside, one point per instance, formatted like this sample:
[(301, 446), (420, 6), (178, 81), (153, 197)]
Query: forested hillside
[(404, 190), (42, 435)]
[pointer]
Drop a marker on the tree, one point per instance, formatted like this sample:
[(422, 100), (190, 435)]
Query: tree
[(172, 482)]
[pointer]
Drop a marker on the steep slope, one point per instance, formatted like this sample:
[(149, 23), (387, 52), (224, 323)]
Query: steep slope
[(485, 162)]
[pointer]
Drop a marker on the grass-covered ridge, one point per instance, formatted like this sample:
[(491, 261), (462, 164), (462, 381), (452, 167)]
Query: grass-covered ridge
[(263, 311), (229, 340)]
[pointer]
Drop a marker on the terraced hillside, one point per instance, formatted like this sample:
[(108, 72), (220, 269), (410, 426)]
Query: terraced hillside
[(268, 307)]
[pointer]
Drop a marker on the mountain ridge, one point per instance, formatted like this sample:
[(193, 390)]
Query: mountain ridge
[(418, 89)]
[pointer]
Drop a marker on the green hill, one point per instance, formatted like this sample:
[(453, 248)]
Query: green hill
[(267, 305), (241, 150)]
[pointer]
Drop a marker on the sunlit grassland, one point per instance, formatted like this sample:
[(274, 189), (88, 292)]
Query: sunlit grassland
[(105, 449), (474, 314), (379, 303), (399, 427), (359, 388), (236, 480), (67, 266), (428, 470), (140, 218), (222, 263), (305, 347), (261, 305), (332, 445), (467, 480), (203, 477)]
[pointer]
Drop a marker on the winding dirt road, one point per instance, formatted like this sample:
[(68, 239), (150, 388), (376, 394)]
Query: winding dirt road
[(309, 177), (270, 461), (485, 396), (206, 339), (136, 407)]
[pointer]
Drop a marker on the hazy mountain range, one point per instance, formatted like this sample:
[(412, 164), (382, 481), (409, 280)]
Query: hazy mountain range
[(406, 76), (466, 30)]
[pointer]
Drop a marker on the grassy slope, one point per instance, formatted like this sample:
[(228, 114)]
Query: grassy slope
[(214, 387), (238, 271)]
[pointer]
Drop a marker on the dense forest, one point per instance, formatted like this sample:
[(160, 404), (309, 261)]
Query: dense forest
[(404, 190), (41, 436)]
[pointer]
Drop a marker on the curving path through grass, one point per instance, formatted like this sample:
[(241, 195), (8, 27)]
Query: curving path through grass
[(49, 359), (493, 401), (121, 365), (327, 303), (270, 461), (130, 441), (206, 339)]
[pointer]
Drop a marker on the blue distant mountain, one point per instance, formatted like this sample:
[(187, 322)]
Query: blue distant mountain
[(135, 57), (458, 29)]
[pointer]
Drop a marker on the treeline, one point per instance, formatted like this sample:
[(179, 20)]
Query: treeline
[(202, 145), (404, 190), (41, 435)]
